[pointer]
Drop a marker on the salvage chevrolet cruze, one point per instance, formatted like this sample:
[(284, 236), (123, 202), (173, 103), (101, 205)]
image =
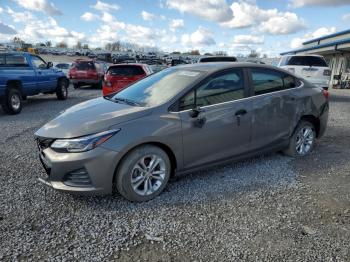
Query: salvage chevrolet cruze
[(179, 120)]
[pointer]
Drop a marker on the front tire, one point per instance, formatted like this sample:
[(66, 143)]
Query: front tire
[(62, 90), (302, 141), (13, 102), (143, 174)]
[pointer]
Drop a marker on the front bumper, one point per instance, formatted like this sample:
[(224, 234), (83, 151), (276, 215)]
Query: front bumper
[(88, 172)]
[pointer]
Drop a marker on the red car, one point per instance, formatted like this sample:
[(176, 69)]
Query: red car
[(121, 75), (86, 72)]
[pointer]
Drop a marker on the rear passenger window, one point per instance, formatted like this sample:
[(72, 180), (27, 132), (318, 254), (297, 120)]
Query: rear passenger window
[(16, 60), (266, 81), (289, 82)]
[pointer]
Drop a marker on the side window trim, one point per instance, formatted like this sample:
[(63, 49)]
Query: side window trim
[(175, 107), (298, 82)]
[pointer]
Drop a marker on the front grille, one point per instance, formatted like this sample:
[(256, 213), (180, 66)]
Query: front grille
[(77, 178)]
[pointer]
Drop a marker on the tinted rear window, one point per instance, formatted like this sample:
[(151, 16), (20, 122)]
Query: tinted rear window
[(125, 70), (218, 59), (305, 61), (84, 66)]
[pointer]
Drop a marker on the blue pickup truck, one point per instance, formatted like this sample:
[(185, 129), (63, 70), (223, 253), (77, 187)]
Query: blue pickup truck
[(25, 74)]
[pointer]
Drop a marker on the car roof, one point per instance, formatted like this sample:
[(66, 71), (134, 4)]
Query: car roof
[(218, 66)]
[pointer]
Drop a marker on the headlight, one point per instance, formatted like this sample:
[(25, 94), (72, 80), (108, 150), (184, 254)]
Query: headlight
[(84, 143)]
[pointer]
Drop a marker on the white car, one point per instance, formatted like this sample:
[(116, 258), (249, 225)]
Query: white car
[(313, 68), (64, 67)]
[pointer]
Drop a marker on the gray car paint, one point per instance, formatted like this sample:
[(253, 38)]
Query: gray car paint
[(270, 120)]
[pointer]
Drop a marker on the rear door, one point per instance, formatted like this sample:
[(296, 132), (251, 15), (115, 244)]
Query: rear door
[(222, 127), (274, 106)]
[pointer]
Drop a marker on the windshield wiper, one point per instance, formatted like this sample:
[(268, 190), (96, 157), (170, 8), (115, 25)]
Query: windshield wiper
[(126, 101)]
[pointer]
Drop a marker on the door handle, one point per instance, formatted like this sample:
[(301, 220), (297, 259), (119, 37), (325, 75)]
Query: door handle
[(39, 73), (239, 114)]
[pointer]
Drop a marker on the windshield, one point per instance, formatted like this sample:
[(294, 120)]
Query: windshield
[(158, 88)]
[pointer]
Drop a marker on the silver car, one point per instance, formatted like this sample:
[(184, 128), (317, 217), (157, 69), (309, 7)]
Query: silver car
[(176, 121)]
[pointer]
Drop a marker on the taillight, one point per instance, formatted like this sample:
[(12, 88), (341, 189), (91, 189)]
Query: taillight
[(327, 72), (107, 83), (292, 70), (325, 94)]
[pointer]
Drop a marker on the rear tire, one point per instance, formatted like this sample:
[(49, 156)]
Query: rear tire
[(62, 89), (302, 141), (148, 165), (13, 102)]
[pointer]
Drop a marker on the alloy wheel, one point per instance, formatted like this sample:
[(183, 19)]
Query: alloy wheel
[(304, 140), (15, 101), (148, 174)]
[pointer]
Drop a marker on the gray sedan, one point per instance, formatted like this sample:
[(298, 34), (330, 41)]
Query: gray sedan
[(176, 121)]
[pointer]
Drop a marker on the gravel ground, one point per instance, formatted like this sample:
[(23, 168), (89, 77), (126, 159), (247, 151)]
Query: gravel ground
[(269, 208)]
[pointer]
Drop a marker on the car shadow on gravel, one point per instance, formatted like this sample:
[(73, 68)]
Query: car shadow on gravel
[(223, 182)]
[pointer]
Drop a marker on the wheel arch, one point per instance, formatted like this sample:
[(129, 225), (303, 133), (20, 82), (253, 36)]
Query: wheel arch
[(314, 121), (16, 84), (164, 147)]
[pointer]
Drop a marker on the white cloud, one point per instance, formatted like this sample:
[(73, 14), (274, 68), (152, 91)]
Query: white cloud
[(346, 17), (212, 10), (301, 3), (1, 10), (176, 24), (107, 17), (248, 39), (286, 23), (6, 29), (201, 37), (105, 7), (248, 14), (147, 16), (298, 41), (87, 16), (40, 6)]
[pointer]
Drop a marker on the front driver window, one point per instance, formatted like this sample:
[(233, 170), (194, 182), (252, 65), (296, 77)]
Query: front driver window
[(219, 89), (38, 62)]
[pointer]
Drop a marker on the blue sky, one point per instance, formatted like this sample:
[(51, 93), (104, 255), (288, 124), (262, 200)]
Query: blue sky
[(268, 26)]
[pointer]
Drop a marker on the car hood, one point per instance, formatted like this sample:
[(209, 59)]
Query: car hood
[(90, 117)]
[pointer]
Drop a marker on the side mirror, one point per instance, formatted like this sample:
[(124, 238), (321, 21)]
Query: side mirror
[(195, 112), (49, 64)]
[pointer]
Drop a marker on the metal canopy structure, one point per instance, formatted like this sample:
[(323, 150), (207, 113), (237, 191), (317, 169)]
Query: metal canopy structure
[(336, 50)]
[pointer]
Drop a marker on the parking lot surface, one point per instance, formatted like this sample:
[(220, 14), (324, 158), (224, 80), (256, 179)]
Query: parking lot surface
[(267, 208)]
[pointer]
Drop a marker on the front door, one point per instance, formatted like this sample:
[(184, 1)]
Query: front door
[(45, 78), (220, 125)]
